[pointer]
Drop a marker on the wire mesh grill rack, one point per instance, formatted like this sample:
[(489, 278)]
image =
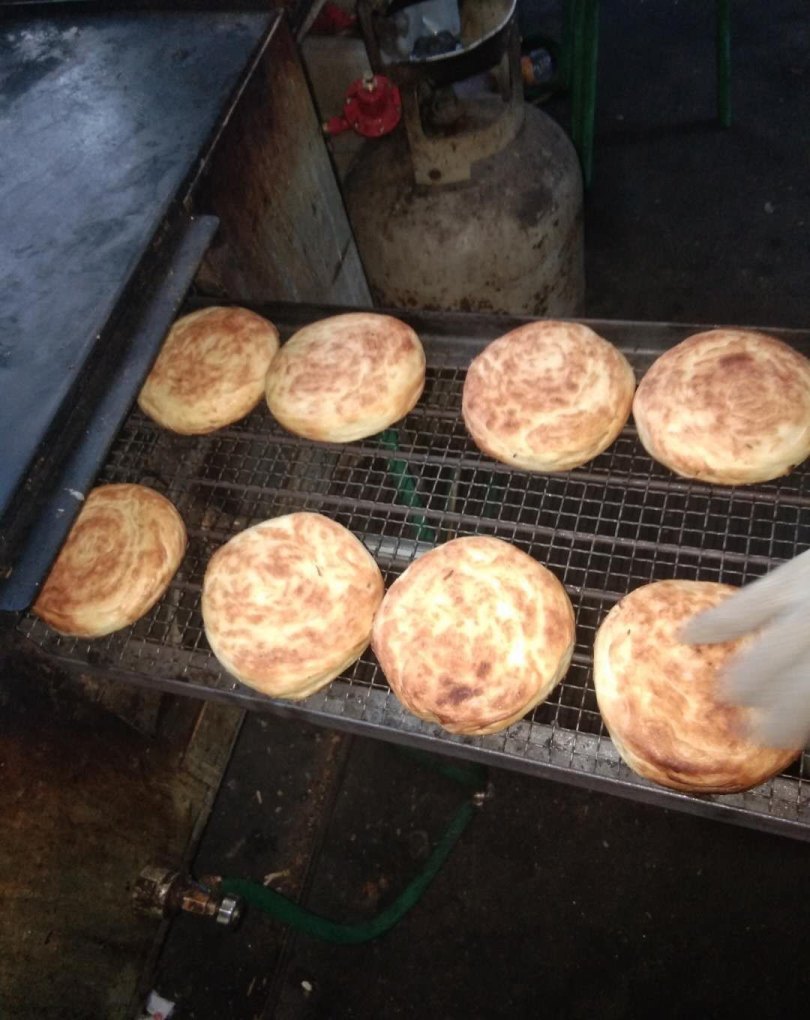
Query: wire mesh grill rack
[(605, 529)]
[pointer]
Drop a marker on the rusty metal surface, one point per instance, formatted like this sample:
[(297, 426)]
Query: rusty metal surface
[(283, 232), (477, 129), (616, 523), (522, 251)]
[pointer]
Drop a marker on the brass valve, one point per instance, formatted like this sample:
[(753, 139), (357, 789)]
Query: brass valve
[(161, 891)]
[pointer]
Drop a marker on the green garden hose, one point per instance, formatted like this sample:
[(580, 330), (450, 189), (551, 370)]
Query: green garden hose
[(472, 777)]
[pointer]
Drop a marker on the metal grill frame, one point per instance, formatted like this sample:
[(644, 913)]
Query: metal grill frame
[(619, 522)]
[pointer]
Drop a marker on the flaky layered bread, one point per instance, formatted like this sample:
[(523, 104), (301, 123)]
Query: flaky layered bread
[(474, 634), (662, 700), (210, 371), (729, 406), (549, 396), (346, 377), (120, 555), (288, 604)]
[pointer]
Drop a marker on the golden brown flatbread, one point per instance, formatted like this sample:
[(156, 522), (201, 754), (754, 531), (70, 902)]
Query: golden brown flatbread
[(474, 634), (288, 604), (728, 406), (662, 700), (210, 371), (549, 396), (346, 377), (117, 561)]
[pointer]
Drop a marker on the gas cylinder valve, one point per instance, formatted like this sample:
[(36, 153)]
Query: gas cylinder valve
[(372, 108)]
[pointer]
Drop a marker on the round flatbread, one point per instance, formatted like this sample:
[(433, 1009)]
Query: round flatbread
[(119, 557), (346, 377), (288, 604), (728, 406), (662, 700), (474, 634), (210, 371), (549, 396)]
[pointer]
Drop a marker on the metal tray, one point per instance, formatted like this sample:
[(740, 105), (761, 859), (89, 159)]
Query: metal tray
[(617, 523), (113, 111)]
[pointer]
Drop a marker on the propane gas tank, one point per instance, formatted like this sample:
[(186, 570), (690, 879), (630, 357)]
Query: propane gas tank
[(509, 239)]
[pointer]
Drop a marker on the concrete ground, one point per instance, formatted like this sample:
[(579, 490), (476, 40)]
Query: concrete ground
[(556, 900), (86, 800)]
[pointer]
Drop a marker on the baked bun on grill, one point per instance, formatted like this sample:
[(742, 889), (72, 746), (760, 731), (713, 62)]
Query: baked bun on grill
[(662, 700), (729, 406), (549, 396), (288, 604), (346, 377), (119, 557), (474, 634), (210, 371)]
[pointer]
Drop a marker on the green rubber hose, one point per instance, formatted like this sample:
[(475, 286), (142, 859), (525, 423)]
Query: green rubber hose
[(470, 776), (287, 912), (406, 486)]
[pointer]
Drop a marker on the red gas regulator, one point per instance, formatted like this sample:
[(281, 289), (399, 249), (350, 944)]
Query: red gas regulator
[(372, 108)]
